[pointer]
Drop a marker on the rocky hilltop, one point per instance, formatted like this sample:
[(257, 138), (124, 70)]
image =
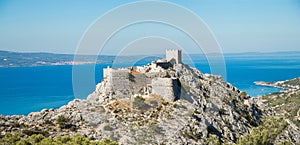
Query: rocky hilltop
[(165, 102)]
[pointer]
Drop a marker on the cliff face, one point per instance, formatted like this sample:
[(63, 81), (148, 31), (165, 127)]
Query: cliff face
[(202, 107)]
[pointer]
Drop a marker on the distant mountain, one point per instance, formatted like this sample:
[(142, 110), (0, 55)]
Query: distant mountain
[(16, 59)]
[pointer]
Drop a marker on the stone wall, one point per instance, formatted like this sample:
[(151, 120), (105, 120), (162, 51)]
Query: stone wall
[(174, 55), (168, 88), (123, 84), (139, 84), (118, 81)]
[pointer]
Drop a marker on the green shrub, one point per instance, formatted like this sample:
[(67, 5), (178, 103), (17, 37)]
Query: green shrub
[(108, 128), (243, 94), (63, 123), (140, 98), (10, 138), (266, 133), (106, 141), (15, 139), (36, 131), (212, 140), (62, 120)]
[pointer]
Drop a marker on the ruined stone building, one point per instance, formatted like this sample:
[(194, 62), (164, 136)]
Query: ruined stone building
[(174, 56), (150, 79)]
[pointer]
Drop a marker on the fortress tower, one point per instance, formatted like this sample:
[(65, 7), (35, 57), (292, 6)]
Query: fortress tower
[(174, 56), (125, 82)]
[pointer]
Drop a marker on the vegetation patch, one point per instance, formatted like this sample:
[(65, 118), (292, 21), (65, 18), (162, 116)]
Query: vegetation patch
[(266, 133), (286, 104), (108, 128), (64, 123), (39, 139), (139, 103)]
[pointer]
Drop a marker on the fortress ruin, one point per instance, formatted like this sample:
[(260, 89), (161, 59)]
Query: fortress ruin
[(150, 79), (174, 56)]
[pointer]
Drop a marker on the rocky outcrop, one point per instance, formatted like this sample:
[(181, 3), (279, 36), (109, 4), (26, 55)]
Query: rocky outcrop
[(206, 106)]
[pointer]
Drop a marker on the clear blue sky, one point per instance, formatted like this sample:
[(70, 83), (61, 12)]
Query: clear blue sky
[(239, 25)]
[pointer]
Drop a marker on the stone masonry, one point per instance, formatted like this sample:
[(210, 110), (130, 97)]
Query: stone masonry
[(126, 82), (174, 56), (169, 88)]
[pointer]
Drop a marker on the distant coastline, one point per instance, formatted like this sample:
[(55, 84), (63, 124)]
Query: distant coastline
[(286, 86), (17, 59), (270, 84), (51, 64), (21, 59)]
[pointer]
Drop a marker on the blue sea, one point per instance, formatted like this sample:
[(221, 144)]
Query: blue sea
[(28, 89)]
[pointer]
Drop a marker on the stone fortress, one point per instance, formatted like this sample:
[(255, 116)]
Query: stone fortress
[(145, 80), (174, 56)]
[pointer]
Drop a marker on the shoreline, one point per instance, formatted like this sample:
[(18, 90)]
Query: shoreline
[(268, 84), (286, 85), (53, 64)]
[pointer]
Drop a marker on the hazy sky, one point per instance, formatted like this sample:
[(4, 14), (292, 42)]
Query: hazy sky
[(239, 25)]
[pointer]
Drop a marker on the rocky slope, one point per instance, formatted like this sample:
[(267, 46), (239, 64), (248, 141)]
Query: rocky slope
[(287, 102), (208, 108)]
